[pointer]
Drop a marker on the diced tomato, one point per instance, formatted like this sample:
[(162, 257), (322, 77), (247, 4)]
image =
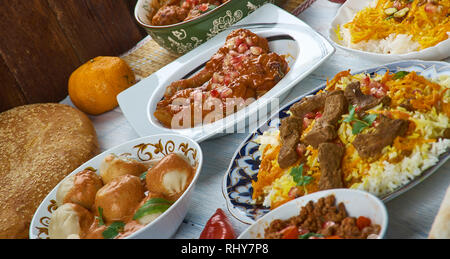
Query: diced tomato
[(310, 115), (366, 81), (300, 149), (227, 80), (318, 115), (293, 193), (236, 60), (237, 42), (214, 93), (242, 48), (363, 222), (375, 123), (290, 232), (203, 7)]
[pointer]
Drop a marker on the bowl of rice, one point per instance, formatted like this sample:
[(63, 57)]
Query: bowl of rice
[(386, 30)]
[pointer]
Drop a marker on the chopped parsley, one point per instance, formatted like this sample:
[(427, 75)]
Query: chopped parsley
[(113, 230), (359, 125), (400, 75), (299, 178), (101, 222)]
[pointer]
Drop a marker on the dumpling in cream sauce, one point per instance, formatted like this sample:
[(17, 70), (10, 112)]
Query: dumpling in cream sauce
[(70, 221), (80, 188), (114, 166), (170, 177)]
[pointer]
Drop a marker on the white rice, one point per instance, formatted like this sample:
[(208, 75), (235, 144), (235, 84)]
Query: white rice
[(393, 44), (384, 177)]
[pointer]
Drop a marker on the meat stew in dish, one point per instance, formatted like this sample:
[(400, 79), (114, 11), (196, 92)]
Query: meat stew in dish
[(240, 72), (323, 220), (175, 11)]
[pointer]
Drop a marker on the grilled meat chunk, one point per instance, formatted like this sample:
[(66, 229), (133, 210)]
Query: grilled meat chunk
[(290, 132), (371, 145), (364, 102), (308, 104), (324, 129), (330, 157)]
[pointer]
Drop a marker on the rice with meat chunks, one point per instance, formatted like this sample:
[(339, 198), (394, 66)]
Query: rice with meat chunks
[(417, 111)]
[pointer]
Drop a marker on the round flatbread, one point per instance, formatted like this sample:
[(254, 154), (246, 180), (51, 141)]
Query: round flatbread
[(40, 144)]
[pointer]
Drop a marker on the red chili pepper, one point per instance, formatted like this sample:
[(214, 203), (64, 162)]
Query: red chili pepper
[(290, 232), (218, 227), (363, 222)]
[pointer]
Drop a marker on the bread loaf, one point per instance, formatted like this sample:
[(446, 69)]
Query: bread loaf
[(40, 144)]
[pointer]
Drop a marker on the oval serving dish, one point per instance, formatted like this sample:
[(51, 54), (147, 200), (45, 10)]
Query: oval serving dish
[(357, 203), (346, 13), (243, 169), (143, 150), (304, 49), (182, 37)]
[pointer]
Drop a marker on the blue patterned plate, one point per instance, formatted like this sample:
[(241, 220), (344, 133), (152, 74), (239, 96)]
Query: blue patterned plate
[(237, 182)]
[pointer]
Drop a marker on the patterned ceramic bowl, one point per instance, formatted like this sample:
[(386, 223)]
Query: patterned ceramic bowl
[(184, 36), (147, 149)]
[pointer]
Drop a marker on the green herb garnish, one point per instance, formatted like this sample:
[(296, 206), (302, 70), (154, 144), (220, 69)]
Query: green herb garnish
[(359, 125), (113, 230), (101, 222), (299, 178), (400, 75), (310, 234), (366, 122), (152, 206)]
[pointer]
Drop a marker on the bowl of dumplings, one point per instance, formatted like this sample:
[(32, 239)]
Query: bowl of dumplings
[(138, 190)]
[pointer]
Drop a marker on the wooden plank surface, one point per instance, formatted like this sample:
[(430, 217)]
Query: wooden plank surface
[(10, 92), (34, 51), (410, 215), (43, 41)]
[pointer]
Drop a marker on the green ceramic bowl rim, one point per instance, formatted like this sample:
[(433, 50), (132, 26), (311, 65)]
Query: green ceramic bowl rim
[(196, 19)]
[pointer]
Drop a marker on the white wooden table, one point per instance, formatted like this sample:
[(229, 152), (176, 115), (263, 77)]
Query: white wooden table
[(410, 215)]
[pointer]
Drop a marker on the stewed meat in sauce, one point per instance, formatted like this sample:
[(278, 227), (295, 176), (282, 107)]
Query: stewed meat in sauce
[(240, 72), (323, 220), (175, 11)]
